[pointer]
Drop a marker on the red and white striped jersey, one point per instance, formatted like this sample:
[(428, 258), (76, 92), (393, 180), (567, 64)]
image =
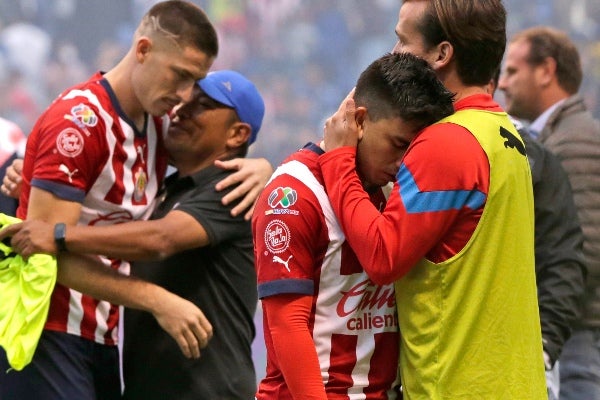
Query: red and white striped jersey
[(301, 249), (85, 149)]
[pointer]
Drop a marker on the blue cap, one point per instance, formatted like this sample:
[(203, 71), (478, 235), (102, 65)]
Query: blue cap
[(236, 91)]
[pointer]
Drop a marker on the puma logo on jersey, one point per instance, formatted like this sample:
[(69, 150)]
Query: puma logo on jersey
[(512, 141), (279, 260), (140, 151), (65, 169)]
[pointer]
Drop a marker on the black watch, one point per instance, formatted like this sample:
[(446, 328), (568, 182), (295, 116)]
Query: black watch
[(60, 231)]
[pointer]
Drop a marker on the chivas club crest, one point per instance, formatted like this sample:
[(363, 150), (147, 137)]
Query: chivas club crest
[(141, 181)]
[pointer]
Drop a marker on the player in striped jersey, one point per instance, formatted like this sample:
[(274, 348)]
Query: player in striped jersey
[(95, 157), (330, 332)]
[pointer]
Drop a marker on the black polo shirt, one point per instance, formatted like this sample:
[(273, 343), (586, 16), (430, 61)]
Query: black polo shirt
[(221, 280)]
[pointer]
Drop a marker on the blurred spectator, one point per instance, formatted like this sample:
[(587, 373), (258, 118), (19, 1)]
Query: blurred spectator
[(12, 145), (64, 69), (18, 102), (27, 47), (541, 78), (109, 53)]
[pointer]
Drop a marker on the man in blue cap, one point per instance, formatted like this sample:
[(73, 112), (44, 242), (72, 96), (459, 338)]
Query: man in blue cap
[(203, 254)]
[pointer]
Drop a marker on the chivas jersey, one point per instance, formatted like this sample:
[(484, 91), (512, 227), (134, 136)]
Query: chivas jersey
[(84, 149), (300, 249)]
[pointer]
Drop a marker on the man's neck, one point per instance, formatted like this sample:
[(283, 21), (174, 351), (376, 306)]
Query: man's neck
[(467, 91), (550, 97), (119, 79), (191, 165), (190, 168), (454, 84), (538, 124)]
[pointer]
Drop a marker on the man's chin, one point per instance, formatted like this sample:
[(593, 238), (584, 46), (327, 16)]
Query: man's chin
[(371, 187)]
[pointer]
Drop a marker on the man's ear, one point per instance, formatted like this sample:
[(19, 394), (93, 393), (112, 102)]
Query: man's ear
[(445, 51), (238, 134), (546, 71), (360, 116), (142, 48)]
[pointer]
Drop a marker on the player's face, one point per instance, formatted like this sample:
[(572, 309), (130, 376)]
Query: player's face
[(198, 130), (380, 150), (520, 82), (409, 38), (166, 75)]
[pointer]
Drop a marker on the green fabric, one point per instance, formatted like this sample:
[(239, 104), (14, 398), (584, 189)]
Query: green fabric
[(25, 290)]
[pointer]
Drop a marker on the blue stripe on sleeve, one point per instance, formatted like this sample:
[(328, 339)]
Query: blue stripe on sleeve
[(283, 286), (416, 201), (65, 192)]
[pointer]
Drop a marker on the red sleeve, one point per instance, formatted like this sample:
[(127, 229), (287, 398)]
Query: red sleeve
[(290, 237), (432, 211), (65, 150), (288, 317)]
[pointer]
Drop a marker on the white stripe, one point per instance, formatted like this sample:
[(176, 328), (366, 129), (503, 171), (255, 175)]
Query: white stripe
[(75, 313), (102, 312)]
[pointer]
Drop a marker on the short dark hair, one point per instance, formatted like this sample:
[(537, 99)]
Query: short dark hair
[(185, 22), (405, 86), (546, 42), (475, 28)]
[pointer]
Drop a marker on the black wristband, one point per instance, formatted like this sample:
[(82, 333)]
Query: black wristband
[(60, 231)]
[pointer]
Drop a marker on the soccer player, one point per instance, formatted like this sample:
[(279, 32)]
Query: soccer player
[(330, 331), (96, 157)]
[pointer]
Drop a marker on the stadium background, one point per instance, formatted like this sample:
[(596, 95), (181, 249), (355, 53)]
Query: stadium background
[(304, 55)]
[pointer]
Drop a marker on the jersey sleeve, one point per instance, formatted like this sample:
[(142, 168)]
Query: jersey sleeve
[(68, 148), (444, 176), (292, 342), (289, 238)]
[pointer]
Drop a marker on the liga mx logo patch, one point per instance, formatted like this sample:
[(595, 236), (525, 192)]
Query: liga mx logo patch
[(83, 116), (283, 197), (280, 199)]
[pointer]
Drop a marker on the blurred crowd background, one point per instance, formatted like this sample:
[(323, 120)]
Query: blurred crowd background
[(304, 55)]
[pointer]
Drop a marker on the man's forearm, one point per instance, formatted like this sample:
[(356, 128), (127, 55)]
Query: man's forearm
[(139, 240), (88, 275), (180, 318)]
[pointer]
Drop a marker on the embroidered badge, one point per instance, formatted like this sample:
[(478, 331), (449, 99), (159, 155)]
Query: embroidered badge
[(69, 142), (283, 197), (141, 181), (277, 236), (280, 199), (83, 114)]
